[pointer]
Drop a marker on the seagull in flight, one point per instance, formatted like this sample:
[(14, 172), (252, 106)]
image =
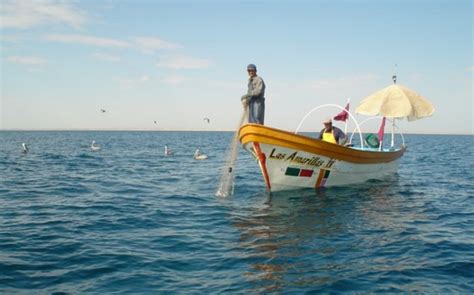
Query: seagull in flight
[(102, 110), (207, 119)]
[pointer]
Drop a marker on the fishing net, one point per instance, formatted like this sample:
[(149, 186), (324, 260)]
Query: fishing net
[(226, 183)]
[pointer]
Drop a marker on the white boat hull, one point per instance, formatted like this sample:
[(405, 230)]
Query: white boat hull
[(290, 161), (287, 173)]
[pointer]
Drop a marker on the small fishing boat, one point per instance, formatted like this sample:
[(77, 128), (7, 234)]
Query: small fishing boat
[(289, 160)]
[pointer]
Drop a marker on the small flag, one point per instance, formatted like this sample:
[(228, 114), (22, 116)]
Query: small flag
[(344, 115), (381, 131)]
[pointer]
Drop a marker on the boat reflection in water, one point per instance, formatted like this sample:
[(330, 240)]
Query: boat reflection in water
[(310, 240)]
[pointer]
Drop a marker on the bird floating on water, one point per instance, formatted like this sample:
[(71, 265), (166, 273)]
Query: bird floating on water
[(94, 147), (199, 156), (25, 148), (168, 152)]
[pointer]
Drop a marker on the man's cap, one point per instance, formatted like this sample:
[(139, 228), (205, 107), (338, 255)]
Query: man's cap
[(252, 67), (327, 121)]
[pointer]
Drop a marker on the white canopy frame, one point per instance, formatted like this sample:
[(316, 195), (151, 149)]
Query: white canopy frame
[(393, 127), (338, 107)]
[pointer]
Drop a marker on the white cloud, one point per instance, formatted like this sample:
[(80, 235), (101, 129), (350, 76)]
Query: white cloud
[(143, 44), (341, 82), (129, 83), (10, 38), (144, 79), (150, 44), (106, 57), (88, 40), (35, 70), (174, 80), (29, 13), (183, 62), (27, 60)]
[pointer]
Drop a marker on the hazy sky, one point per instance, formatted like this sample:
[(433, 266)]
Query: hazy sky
[(176, 62)]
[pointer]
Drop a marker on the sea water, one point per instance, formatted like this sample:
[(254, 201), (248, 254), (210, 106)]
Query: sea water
[(129, 219)]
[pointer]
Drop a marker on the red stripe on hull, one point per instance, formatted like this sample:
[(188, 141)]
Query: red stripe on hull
[(262, 164)]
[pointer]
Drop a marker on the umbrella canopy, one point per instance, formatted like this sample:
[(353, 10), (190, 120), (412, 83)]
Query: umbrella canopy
[(396, 101)]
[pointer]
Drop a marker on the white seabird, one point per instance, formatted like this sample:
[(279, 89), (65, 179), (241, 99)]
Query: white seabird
[(168, 152), (25, 148), (199, 156), (94, 147)]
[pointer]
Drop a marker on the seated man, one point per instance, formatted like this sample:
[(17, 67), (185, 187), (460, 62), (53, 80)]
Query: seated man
[(331, 133)]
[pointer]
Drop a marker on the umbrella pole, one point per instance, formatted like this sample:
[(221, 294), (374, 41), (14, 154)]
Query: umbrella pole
[(393, 129)]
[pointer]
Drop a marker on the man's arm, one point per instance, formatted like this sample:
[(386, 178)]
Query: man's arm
[(258, 87), (340, 136), (321, 133)]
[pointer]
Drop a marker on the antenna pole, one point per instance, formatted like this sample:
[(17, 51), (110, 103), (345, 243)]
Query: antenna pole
[(394, 77)]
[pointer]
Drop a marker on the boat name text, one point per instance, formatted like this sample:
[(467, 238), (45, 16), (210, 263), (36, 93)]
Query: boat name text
[(313, 161)]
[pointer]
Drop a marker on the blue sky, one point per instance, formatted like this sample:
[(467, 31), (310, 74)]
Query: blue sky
[(176, 62)]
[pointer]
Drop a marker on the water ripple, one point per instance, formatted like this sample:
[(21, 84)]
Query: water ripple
[(127, 220)]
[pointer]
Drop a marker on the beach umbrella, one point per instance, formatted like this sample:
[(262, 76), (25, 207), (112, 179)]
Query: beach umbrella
[(396, 101)]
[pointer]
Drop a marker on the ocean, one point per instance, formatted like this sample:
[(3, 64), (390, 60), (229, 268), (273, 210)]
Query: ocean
[(128, 220)]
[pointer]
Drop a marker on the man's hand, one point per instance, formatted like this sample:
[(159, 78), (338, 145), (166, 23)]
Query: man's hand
[(245, 100)]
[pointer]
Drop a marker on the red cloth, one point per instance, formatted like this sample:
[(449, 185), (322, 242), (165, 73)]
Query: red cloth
[(381, 130), (342, 116)]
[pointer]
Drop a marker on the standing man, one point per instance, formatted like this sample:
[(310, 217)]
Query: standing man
[(255, 97)]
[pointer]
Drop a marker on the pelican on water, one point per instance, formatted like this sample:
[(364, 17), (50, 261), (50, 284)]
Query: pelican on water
[(25, 148), (168, 152), (199, 156), (94, 146)]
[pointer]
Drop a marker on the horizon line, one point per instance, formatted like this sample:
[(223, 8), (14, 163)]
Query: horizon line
[(194, 130)]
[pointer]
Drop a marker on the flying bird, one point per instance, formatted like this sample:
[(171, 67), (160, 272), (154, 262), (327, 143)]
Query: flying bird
[(155, 122), (102, 110), (207, 119)]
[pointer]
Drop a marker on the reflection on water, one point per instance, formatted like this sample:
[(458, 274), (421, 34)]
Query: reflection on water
[(313, 238)]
